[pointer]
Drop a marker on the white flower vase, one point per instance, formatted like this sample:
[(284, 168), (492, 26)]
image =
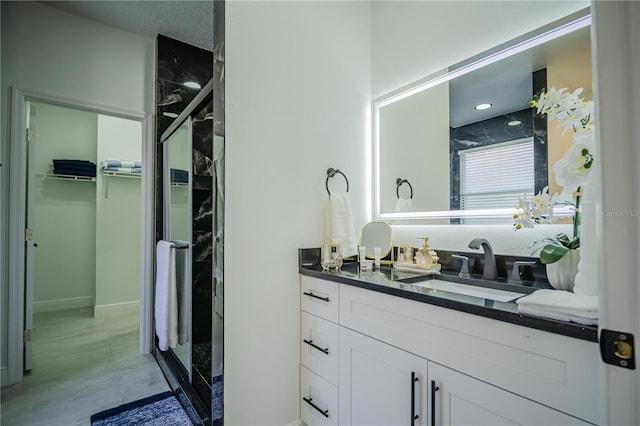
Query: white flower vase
[(562, 274), (586, 282)]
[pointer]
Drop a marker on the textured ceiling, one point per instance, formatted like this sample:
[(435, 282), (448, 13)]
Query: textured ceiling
[(187, 21)]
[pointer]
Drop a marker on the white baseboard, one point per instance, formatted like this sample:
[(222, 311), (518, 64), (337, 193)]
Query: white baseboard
[(298, 423), (63, 304), (124, 308)]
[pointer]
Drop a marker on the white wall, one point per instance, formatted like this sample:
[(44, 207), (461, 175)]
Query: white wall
[(297, 94), (414, 145), (412, 40), (51, 52), (64, 211), (118, 203)]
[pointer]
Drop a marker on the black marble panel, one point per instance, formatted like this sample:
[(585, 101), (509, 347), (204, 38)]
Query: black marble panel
[(202, 247), (218, 191), (178, 63), (540, 136)]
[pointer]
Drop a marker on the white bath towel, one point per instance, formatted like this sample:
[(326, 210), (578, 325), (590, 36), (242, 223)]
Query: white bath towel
[(404, 205), (561, 305), (166, 298), (338, 225)]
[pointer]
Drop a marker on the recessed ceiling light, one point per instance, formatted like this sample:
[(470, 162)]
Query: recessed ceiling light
[(192, 85), (483, 106), (170, 114), (514, 123)]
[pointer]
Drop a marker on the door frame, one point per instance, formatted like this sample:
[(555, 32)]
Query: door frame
[(616, 53), (17, 222)]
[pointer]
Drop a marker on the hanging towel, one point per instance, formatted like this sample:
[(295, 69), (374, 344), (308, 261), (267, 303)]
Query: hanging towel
[(166, 300), (404, 205), (338, 224), (561, 305)]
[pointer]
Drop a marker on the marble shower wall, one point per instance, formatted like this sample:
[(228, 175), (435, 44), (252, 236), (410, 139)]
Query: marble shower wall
[(178, 63)]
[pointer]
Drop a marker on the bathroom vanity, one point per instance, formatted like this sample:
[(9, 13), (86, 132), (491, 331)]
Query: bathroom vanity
[(387, 348)]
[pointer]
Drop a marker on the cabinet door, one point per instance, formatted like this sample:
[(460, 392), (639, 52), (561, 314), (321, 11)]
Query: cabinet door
[(380, 384), (463, 400)]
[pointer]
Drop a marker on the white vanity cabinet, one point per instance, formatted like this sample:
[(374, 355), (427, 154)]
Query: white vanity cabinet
[(393, 350), (319, 352)]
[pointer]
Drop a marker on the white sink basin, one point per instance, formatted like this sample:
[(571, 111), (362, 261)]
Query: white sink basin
[(470, 290)]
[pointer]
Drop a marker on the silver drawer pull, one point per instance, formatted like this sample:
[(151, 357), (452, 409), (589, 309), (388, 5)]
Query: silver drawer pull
[(323, 412), (310, 343), (326, 299)]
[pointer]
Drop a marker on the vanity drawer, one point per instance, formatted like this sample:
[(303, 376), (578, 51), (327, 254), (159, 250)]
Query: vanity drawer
[(319, 297), (318, 399), (319, 346)]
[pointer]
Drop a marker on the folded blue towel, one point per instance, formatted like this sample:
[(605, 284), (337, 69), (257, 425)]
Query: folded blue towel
[(121, 163), (73, 163), (74, 172), (179, 176)]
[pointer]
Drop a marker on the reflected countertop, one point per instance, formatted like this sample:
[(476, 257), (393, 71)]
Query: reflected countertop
[(397, 283)]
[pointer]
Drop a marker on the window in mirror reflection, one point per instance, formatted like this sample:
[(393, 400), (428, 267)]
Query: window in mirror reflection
[(495, 176)]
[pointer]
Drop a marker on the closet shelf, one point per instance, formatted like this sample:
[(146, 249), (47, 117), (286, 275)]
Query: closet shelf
[(119, 174), (65, 177)]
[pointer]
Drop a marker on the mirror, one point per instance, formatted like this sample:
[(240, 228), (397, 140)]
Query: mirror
[(377, 234), (432, 149), (177, 210)]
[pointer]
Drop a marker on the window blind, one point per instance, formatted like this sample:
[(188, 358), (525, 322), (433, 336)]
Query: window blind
[(496, 176)]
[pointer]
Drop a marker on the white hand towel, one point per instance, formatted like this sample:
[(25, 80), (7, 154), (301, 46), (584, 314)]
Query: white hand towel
[(166, 298), (561, 305), (338, 224), (404, 205)]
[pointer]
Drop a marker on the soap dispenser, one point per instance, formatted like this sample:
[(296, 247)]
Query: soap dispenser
[(426, 257)]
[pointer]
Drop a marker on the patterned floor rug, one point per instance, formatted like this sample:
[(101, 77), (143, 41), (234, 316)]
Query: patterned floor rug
[(162, 409)]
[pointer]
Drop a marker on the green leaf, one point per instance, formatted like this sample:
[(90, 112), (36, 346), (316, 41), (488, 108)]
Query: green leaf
[(564, 240), (575, 244), (552, 253)]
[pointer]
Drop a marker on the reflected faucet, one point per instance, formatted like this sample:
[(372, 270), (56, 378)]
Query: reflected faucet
[(490, 270)]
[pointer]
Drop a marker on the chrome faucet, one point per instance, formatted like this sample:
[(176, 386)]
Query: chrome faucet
[(490, 269)]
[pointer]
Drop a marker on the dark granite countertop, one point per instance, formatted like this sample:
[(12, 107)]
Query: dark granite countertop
[(404, 284)]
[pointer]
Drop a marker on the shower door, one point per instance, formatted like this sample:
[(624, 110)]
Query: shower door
[(191, 204), (177, 228)]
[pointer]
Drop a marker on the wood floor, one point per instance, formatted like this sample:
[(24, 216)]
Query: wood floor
[(81, 365)]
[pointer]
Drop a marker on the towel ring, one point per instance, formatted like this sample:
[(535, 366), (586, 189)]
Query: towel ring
[(399, 183), (331, 173)]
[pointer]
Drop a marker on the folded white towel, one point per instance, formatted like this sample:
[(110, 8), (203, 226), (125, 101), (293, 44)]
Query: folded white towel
[(338, 224), (404, 205), (561, 305), (560, 316), (166, 297)]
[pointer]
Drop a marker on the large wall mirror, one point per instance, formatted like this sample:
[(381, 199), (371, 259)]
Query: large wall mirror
[(437, 157)]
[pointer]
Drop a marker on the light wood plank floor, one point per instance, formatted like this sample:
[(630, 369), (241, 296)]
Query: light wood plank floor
[(81, 365)]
